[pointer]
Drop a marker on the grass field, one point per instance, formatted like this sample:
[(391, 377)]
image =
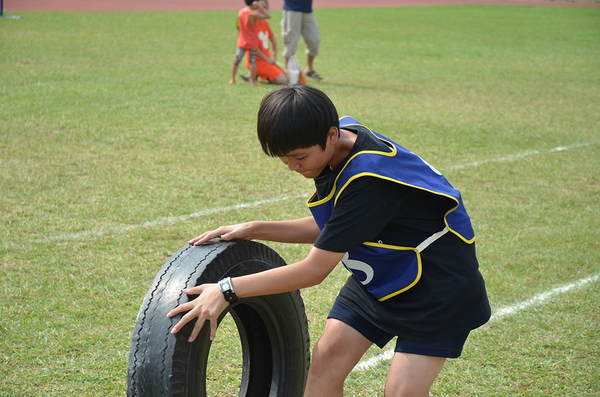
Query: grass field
[(120, 139)]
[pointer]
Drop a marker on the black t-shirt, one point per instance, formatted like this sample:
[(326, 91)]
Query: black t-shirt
[(450, 297)]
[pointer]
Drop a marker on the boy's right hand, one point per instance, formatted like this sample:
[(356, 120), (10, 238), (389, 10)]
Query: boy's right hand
[(240, 232)]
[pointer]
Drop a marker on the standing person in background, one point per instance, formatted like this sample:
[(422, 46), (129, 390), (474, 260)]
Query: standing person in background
[(299, 19), (247, 37), (266, 66)]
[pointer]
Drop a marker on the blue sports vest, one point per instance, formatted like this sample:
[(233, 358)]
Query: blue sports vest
[(388, 270)]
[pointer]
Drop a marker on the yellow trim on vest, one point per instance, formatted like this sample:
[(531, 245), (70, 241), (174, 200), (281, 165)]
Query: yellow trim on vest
[(392, 153), (389, 154), (420, 268), (415, 187)]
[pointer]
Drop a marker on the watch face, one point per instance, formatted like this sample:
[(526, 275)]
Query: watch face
[(227, 291)]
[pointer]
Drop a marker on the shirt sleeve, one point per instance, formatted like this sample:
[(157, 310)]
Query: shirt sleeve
[(362, 211)]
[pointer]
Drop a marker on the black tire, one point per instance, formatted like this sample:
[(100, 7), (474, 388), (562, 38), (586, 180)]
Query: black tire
[(273, 329)]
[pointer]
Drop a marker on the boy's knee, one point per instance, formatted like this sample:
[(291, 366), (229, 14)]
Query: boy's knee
[(280, 80), (323, 354), (327, 355), (405, 390)]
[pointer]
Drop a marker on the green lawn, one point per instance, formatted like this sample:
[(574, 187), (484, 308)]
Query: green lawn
[(120, 139)]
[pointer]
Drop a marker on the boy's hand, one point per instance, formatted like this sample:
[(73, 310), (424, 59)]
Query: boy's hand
[(240, 232), (207, 306)]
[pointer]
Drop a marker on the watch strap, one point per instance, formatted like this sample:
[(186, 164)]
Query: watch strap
[(227, 290)]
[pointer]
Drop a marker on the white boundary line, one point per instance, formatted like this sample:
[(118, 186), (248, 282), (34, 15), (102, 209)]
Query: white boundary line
[(165, 221), (503, 312), (523, 155), (157, 222)]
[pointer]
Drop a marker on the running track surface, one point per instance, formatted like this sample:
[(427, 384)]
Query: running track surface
[(222, 5)]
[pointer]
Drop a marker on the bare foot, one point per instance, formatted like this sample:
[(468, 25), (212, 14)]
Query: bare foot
[(232, 81)]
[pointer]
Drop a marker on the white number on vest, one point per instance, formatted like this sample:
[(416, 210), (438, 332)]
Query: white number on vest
[(360, 266)]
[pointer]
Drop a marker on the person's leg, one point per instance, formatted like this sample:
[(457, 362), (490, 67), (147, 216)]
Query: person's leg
[(253, 74), (335, 354), (416, 365), (411, 375), (312, 37), (252, 60), (309, 63), (290, 32), (233, 72), (281, 79), (239, 55), (271, 73)]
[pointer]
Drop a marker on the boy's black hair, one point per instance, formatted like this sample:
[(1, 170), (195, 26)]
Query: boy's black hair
[(249, 2), (295, 117)]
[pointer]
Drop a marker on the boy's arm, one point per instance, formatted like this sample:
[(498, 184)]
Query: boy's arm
[(274, 48), (210, 303), (265, 58), (260, 12), (306, 273), (304, 230)]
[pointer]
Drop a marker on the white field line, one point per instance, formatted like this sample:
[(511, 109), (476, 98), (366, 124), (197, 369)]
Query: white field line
[(157, 222), (169, 220), (500, 313), (522, 155)]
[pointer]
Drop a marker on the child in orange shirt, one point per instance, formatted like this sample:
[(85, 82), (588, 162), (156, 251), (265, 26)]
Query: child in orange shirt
[(266, 66), (248, 37)]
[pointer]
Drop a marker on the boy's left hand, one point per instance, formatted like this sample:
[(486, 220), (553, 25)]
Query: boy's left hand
[(207, 306)]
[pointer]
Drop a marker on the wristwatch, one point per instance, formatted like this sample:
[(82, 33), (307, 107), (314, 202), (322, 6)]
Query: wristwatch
[(227, 290)]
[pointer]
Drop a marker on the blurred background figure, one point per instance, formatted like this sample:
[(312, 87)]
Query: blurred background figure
[(299, 20), (267, 67)]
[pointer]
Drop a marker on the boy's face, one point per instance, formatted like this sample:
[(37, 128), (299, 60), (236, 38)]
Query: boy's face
[(311, 161)]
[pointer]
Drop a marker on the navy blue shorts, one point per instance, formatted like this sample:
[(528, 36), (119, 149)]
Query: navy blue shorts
[(449, 348)]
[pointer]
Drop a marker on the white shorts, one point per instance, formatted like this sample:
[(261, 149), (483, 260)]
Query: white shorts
[(296, 24)]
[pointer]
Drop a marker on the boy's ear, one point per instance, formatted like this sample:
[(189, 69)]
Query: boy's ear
[(333, 135)]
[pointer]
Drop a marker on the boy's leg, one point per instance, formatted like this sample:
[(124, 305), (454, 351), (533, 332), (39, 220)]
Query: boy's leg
[(238, 58), (281, 79), (412, 375), (253, 74), (335, 354), (271, 73), (233, 72), (252, 60)]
